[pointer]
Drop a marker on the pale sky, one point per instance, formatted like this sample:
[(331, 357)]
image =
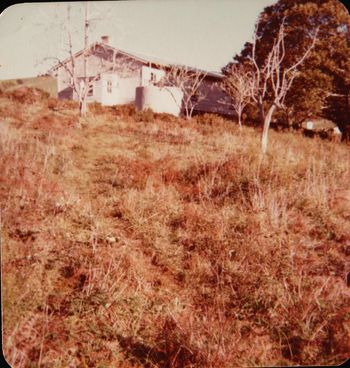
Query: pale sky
[(200, 33)]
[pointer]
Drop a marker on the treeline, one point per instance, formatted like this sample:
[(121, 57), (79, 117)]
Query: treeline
[(296, 67)]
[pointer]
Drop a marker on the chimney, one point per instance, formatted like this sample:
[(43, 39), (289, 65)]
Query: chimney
[(105, 40)]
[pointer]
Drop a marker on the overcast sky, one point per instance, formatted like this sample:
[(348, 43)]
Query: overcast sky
[(200, 33)]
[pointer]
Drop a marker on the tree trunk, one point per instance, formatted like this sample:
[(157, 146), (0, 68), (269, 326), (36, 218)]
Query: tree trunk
[(265, 134), (240, 120), (83, 91), (262, 113), (83, 107), (188, 113), (85, 88)]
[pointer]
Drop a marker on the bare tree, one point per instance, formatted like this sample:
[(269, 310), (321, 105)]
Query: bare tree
[(84, 87), (272, 80), (80, 83), (238, 85), (80, 79), (189, 81)]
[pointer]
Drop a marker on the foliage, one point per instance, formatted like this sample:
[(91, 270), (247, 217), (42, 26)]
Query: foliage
[(326, 71), (27, 95), (45, 83)]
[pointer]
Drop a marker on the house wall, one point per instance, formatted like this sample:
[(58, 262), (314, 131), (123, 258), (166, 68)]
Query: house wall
[(150, 76), (127, 88), (216, 100), (95, 65), (62, 79), (111, 89), (115, 90), (105, 94), (98, 63)]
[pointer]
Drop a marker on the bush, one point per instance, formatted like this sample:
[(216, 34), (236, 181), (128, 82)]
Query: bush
[(27, 95), (5, 85), (127, 110), (167, 118), (68, 104), (52, 103), (209, 119), (147, 116), (97, 108)]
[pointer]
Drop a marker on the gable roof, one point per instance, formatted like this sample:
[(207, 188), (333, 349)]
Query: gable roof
[(166, 63), (144, 59)]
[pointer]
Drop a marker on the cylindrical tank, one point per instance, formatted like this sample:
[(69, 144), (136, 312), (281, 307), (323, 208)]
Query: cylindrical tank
[(161, 100)]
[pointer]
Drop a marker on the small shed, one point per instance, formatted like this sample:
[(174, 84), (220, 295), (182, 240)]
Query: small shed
[(318, 124), (321, 126)]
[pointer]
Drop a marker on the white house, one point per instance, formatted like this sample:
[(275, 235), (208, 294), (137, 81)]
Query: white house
[(115, 78)]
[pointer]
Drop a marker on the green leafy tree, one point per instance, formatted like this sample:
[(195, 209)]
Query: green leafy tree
[(322, 84)]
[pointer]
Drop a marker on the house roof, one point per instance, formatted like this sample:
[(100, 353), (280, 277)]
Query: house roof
[(163, 62), (145, 59)]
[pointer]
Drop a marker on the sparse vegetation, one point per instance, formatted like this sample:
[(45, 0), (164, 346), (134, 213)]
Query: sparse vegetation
[(143, 240)]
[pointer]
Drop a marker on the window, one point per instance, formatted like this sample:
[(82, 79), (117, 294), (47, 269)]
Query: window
[(90, 91), (153, 77), (109, 86), (309, 125)]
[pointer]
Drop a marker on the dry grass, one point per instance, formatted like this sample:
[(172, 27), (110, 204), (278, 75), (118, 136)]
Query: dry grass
[(142, 240)]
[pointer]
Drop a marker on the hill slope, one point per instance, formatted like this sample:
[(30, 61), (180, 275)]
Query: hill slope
[(134, 240)]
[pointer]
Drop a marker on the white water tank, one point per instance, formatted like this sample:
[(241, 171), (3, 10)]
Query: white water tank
[(162, 100)]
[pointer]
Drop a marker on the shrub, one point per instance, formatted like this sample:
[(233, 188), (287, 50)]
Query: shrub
[(27, 95), (209, 119), (147, 116), (68, 104), (52, 103), (97, 108), (167, 118), (127, 110)]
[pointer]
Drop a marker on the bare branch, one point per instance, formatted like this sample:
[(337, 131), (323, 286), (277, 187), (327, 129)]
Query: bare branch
[(239, 84), (189, 81), (273, 79)]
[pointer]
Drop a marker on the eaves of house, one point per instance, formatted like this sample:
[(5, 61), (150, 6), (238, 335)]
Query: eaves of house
[(144, 59)]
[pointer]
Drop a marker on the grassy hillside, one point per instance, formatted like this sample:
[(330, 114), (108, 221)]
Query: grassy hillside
[(47, 84), (135, 240)]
